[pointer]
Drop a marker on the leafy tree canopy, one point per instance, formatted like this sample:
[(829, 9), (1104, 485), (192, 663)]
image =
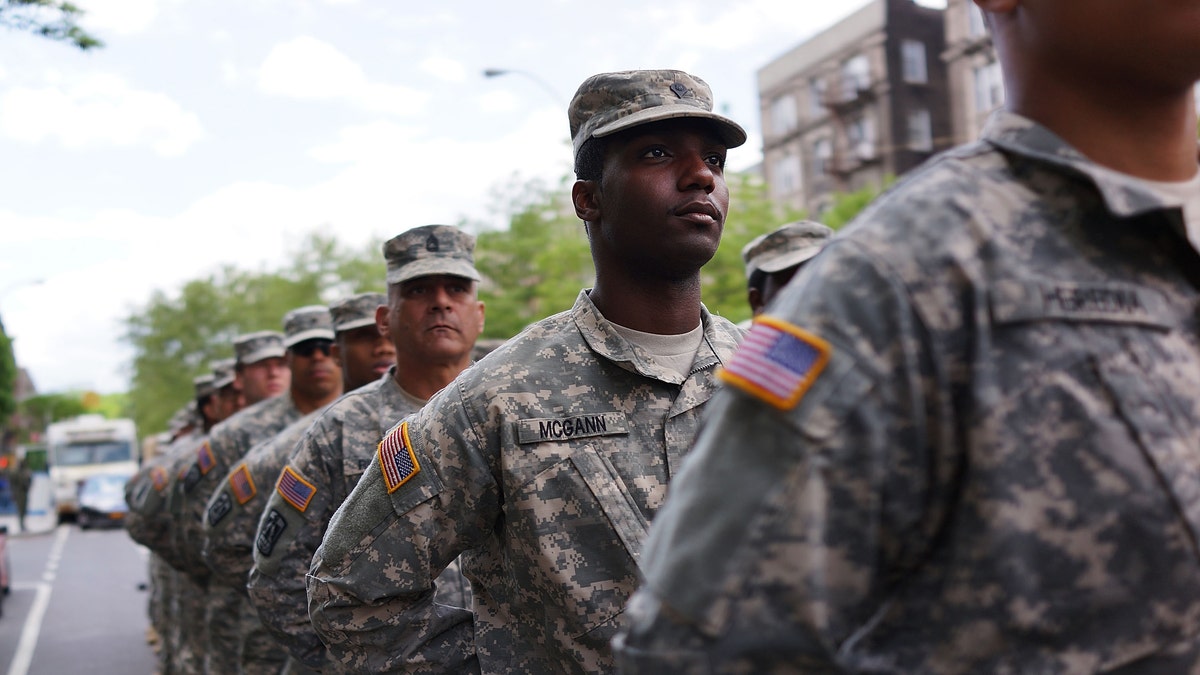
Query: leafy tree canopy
[(51, 19)]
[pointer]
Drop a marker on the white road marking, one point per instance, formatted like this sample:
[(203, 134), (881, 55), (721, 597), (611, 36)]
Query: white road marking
[(33, 623)]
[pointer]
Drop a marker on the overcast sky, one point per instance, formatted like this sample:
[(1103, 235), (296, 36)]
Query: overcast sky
[(211, 132)]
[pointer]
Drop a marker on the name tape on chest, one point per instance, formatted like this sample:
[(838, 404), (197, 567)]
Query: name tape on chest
[(777, 362), (1071, 301), (204, 458), (396, 458), (294, 489), (242, 484), (268, 535), (540, 430)]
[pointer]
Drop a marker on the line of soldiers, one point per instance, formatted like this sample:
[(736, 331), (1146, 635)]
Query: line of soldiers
[(236, 509), (913, 465)]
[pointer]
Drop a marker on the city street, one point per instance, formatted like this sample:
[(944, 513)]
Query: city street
[(75, 605)]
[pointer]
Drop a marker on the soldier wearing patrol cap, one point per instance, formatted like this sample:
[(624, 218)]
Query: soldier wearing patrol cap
[(231, 518), (432, 281), (547, 459), (964, 439), (772, 259), (314, 381), (228, 394)]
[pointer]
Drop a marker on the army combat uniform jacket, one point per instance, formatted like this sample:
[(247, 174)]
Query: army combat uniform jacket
[(543, 463), (976, 447), (327, 464)]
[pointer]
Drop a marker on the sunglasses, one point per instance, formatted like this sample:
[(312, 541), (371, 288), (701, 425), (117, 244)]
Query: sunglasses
[(307, 347)]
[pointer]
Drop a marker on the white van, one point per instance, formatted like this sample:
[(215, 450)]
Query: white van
[(86, 446)]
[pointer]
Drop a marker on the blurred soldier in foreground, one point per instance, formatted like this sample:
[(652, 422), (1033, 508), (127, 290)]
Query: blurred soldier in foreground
[(772, 259), (313, 381), (543, 463), (430, 321), (964, 439), (231, 519)]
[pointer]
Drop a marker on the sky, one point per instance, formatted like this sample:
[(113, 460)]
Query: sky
[(217, 132)]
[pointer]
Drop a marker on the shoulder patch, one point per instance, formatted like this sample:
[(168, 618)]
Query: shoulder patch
[(397, 459), (205, 459), (220, 507), (190, 477), (158, 477), (270, 530), (242, 484), (294, 489), (777, 362)]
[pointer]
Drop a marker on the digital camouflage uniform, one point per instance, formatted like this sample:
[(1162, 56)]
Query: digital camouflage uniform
[(542, 465), (327, 464), (229, 441), (231, 521), (995, 471)]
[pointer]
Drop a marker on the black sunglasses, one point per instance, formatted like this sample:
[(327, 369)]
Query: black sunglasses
[(307, 347)]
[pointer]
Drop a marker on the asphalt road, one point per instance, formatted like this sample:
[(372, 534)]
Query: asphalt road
[(75, 605)]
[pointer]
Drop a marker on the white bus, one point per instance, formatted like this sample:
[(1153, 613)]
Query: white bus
[(85, 446)]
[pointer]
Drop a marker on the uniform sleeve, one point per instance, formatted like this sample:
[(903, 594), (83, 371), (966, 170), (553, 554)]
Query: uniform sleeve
[(209, 465), (232, 514), (428, 495), (289, 532), (789, 520)]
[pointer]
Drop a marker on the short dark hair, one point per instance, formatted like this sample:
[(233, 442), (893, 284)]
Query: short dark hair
[(589, 161), (758, 279)]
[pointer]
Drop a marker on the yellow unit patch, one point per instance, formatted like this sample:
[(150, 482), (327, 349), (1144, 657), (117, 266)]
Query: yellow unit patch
[(777, 362), (396, 458), (242, 484)]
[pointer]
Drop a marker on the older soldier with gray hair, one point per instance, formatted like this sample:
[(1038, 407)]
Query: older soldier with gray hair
[(543, 463), (965, 439), (428, 286)]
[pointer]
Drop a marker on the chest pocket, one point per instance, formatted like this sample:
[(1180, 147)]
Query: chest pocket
[(576, 532)]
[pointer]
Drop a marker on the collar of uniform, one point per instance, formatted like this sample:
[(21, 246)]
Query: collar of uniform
[(1022, 136), (718, 344)]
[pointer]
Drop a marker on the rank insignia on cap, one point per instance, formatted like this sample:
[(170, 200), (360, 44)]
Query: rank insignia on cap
[(242, 484), (158, 477), (396, 458), (205, 459), (777, 362), (294, 489)]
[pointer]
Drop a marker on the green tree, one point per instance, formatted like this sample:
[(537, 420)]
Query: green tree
[(176, 336), (51, 19), (8, 382), (44, 409)]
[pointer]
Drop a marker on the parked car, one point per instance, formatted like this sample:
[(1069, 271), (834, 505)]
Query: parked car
[(102, 501)]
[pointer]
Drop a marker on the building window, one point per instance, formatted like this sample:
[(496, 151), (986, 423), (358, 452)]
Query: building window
[(860, 137), (856, 76), (920, 130), (783, 115), (822, 157), (975, 25), (912, 53), (816, 97), (989, 87), (787, 174)]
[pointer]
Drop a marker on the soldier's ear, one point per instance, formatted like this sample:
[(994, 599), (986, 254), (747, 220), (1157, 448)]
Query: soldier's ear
[(585, 196), (381, 321)]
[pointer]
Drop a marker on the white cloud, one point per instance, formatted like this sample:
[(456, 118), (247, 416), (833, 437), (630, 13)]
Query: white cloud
[(444, 69), (103, 18), (498, 101), (98, 111), (307, 68)]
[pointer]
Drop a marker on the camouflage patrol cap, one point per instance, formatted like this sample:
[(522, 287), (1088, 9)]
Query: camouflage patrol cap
[(203, 384), (785, 247), (223, 372), (255, 347), (356, 311), (312, 322), (430, 249), (612, 102)]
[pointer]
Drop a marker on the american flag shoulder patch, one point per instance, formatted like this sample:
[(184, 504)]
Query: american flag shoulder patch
[(205, 459), (397, 459), (294, 489), (158, 477), (242, 484), (777, 362)]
